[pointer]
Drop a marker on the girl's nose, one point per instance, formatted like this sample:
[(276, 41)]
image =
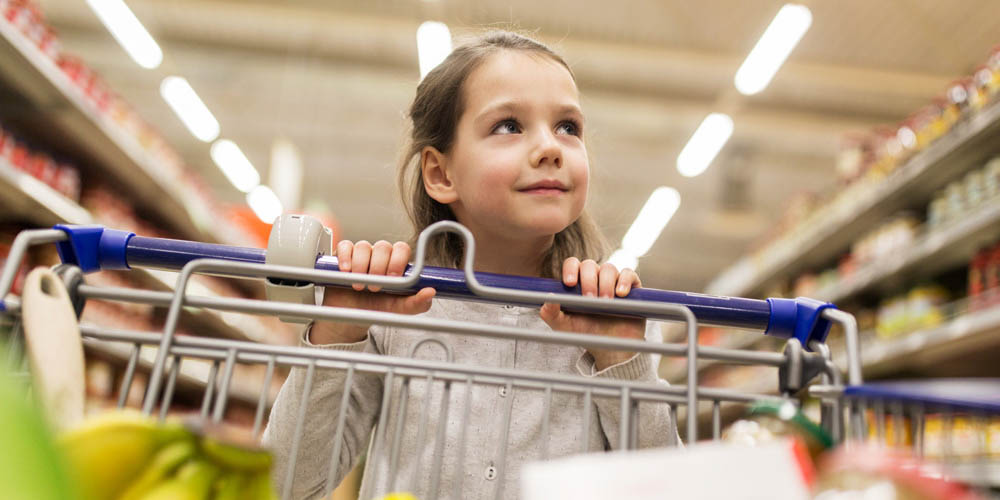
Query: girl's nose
[(547, 151)]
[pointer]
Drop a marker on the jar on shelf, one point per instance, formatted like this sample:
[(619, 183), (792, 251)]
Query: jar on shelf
[(991, 178), (974, 190)]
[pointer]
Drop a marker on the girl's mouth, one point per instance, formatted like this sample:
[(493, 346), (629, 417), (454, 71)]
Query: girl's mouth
[(549, 187), (544, 191)]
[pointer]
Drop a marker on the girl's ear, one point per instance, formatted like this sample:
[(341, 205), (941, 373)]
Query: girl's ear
[(434, 167)]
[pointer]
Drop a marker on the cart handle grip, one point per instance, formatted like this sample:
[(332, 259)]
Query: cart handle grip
[(94, 248)]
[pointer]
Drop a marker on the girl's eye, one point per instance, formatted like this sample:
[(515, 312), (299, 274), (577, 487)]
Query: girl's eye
[(568, 127), (508, 126)]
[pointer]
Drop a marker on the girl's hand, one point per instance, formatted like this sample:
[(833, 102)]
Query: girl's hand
[(597, 281), (383, 259)]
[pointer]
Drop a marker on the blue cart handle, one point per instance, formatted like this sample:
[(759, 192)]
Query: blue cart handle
[(94, 248)]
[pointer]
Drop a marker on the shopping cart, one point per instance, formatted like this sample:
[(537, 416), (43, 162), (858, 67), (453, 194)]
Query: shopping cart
[(806, 361)]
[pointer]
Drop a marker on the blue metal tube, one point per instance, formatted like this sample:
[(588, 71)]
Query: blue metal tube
[(172, 255)]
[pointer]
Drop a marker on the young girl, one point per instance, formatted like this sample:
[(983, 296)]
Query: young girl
[(497, 144)]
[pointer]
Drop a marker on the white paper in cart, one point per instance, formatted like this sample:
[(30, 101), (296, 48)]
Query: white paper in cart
[(774, 471)]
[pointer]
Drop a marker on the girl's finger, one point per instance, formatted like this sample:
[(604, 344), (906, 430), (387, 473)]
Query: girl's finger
[(607, 278), (551, 314), (359, 260), (400, 257), (381, 252), (627, 280), (418, 303), (588, 278), (571, 271), (344, 251)]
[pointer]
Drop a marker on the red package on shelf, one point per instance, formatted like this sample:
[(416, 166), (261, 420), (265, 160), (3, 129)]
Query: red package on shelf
[(68, 182), (20, 156), (991, 275), (977, 279)]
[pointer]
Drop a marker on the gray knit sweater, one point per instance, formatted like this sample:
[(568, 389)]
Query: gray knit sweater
[(478, 465)]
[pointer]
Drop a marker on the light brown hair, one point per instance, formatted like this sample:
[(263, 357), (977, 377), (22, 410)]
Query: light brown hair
[(434, 117)]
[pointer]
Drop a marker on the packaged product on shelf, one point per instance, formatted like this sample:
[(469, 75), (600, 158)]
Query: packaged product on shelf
[(992, 273), (991, 178), (977, 279), (984, 278), (955, 197), (22, 270), (963, 438), (937, 210), (994, 65), (958, 99), (925, 307), (979, 91), (974, 191), (891, 318), (896, 431)]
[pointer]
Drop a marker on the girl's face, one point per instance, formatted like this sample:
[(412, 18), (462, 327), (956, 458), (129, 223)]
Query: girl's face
[(518, 165)]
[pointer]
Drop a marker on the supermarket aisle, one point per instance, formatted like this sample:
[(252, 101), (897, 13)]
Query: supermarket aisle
[(855, 162)]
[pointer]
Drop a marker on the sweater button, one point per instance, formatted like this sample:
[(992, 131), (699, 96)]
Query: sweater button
[(490, 473), (502, 391), (508, 307)]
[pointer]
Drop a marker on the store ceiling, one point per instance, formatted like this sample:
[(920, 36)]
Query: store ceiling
[(335, 77)]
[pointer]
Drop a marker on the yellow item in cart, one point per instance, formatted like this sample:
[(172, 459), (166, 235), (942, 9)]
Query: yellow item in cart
[(108, 452), (193, 481), (236, 456), (163, 465), (259, 487), (399, 496), (230, 486)]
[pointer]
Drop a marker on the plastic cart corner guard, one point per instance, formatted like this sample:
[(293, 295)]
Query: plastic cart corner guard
[(800, 318), (93, 247)]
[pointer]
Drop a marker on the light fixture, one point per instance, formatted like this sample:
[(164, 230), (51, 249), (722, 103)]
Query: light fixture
[(653, 217), (774, 46), (285, 174), (622, 259), (705, 144), (189, 108), (129, 32), (433, 45), (264, 203), (235, 165)]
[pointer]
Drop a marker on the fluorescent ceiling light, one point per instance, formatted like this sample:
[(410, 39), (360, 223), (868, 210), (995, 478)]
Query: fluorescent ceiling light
[(129, 32), (264, 203), (433, 45), (285, 174), (622, 259), (189, 108), (774, 46), (705, 144), (237, 167), (653, 217)]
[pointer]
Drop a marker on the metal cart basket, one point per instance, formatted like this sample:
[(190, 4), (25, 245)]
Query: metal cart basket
[(805, 362)]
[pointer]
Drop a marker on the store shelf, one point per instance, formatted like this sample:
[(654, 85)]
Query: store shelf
[(192, 379), (936, 251), (34, 201), (966, 335), (60, 111), (819, 239), (31, 199), (220, 323), (739, 340)]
